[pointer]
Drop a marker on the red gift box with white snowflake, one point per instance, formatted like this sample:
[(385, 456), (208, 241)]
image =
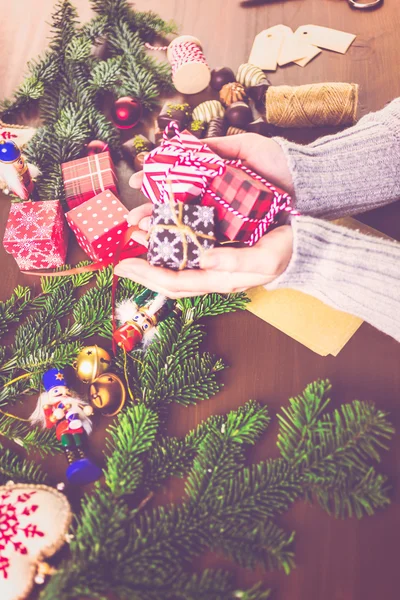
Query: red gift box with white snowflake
[(246, 204), (185, 161), (86, 177), (36, 234), (99, 225)]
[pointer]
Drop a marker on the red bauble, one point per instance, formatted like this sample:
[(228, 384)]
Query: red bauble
[(95, 147), (126, 112)]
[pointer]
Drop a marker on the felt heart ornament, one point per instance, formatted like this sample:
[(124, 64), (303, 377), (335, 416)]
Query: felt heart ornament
[(34, 521)]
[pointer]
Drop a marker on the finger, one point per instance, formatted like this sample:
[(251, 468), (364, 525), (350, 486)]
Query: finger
[(140, 237), (229, 147), (144, 224), (151, 285), (136, 215), (190, 280), (136, 180)]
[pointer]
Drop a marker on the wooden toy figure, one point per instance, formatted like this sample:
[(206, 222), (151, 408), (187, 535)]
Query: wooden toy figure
[(15, 171), (139, 318), (58, 408)]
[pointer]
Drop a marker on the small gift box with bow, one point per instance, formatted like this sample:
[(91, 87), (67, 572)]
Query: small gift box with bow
[(185, 161), (179, 233), (246, 204), (86, 177)]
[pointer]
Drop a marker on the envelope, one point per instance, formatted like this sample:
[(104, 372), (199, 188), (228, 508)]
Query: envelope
[(307, 320)]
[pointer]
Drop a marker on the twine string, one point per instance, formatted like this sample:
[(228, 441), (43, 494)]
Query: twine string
[(182, 53), (313, 105), (185, 231)]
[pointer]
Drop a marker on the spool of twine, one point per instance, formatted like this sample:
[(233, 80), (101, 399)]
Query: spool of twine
[(190, 71), (314, 105)]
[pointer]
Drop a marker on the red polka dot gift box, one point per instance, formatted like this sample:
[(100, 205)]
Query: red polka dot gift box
[(99, 225), (86, 177), (36, 234)]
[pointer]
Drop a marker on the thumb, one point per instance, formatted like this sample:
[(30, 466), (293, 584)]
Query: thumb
[(228, 147)]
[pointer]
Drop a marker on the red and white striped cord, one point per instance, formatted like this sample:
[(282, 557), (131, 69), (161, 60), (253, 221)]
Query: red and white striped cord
[(280, 203), (181, 54)]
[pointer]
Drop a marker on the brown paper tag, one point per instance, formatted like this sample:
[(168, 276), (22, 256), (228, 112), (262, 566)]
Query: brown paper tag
[(312, 53), (326, 38), (266, 48)]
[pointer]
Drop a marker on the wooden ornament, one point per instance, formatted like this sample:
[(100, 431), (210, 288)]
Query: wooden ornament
[(35, 520)]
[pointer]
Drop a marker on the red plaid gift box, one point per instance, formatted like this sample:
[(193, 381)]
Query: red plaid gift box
[(36, 234), (186, 161), (242, 201), (87, 177), (99, 225)]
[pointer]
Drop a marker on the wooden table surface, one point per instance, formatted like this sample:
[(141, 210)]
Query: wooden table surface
[(337, 560)]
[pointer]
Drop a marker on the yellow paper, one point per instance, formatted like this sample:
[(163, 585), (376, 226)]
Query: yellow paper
[(307, 320)]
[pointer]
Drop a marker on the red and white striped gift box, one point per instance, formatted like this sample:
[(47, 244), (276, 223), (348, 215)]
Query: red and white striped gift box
[(86, 177), (186, 161)]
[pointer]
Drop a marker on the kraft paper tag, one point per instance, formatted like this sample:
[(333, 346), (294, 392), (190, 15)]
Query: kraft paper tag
[(293, 48), (266, 48), (311, 53), (326, 38), (307, 320)]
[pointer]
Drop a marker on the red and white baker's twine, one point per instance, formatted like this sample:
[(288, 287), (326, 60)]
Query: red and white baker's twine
[(280, 203), (181, 54)]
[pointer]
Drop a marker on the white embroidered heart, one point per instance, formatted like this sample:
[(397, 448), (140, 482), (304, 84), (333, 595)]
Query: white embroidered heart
[(34, 520)]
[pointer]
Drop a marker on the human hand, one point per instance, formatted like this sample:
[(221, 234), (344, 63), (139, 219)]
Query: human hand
[(223, 270)]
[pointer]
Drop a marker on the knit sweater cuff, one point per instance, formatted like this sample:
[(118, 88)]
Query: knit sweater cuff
[(351, 172), (347, 270)]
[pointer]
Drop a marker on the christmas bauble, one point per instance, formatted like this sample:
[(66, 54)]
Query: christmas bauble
[(34, 522), (96, 147), (107, 394), (126, 112), (91, 362)]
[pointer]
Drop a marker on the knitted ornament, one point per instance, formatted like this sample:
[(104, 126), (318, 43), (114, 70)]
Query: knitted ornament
[(34, 522)]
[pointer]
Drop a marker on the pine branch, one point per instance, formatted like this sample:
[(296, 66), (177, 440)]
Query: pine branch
[(131, 436), (211, 305), (32, 439), (13, 468)]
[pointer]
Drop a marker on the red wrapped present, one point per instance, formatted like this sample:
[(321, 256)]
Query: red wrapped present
[(186, 161), (246, 204), (86, 177), (99, 225), (36, 234)]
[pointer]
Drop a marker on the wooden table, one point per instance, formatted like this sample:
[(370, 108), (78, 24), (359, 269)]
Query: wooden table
[(337, 560)]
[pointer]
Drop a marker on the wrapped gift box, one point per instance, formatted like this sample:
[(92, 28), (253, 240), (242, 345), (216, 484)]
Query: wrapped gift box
[(177, 240), (86, 177), (99, 225), (36, 234), (240, 201), (186, 161)]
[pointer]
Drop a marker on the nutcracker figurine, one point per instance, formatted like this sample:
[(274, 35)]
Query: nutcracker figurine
[(140, 317), (58, 408), (14, 170)]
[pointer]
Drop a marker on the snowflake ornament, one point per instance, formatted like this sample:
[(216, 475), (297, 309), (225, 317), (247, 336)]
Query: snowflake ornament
[(34, 520)]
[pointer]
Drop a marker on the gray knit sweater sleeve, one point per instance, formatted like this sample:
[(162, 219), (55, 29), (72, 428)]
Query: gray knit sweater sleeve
[(351, 271), (354, 171), (351, 172)]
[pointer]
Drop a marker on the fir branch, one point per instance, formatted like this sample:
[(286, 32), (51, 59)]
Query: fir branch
[(12, 309), (13, 468), (131, 436), (30, 438), (210, 305)]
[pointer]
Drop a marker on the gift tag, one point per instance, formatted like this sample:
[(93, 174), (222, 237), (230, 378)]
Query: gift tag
[(293, 48), (326, 38), (312, 52), (266, 48)]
